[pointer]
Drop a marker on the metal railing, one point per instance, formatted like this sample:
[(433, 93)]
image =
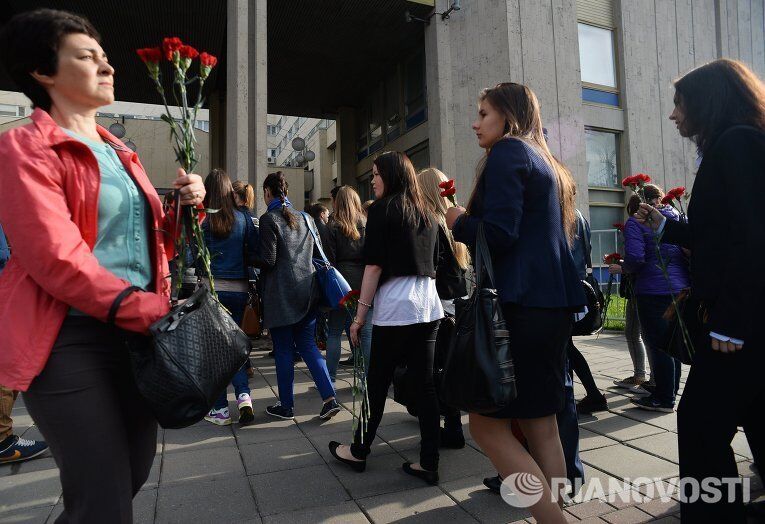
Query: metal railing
[(605, 242)]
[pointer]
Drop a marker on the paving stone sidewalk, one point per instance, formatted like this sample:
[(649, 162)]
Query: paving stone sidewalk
[(281, 472)]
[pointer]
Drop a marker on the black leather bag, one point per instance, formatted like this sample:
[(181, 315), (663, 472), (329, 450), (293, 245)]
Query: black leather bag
[(592, 322), (189, 359), (478, 374)]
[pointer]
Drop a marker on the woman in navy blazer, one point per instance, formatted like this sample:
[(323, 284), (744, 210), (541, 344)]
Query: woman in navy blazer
[(525, 200)]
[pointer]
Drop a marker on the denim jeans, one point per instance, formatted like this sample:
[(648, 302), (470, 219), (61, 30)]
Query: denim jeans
[(665, 370), (235, 303), (299, 337), (340, 320), (635, 343)]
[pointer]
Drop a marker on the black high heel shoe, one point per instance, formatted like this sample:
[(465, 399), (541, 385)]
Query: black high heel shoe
[(356, 465), (431, 477)]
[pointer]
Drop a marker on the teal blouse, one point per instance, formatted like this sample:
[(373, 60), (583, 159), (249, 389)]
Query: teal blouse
[(122, 244)]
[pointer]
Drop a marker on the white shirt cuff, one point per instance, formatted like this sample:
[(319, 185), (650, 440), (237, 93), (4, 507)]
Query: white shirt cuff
[(723, 338)]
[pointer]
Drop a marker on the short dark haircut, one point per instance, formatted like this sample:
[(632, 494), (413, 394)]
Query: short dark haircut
[(30, 41), (316, 209)]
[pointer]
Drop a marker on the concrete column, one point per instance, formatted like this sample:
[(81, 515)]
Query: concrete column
[(246, 92), (258, 103), (217, 106), (438, 73), (237, 105), (346, 146)]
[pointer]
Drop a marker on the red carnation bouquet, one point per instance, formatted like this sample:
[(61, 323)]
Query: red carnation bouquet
[(181, 56), (637, 184), (448, 191), (613, 258), (676, 194), (619, 226)]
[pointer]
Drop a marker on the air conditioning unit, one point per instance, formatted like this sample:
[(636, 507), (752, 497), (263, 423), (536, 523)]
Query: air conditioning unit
[(271, 160)]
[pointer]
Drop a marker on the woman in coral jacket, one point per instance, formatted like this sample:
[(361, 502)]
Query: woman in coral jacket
[(85, 223)]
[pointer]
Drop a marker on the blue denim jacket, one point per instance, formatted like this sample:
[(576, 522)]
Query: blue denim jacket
[(228, 254)]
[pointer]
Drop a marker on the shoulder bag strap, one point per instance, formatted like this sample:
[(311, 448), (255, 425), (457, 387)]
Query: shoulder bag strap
[(316, 238), (483, 259), (585, 243), (118, 301)]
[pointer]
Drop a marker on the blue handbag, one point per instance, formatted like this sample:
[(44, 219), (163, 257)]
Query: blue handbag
[(332, 284)]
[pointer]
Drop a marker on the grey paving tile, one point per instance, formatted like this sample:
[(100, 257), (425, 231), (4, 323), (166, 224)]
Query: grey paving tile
[(597, 483), (205, 464), (458, 463), (28, 490), (591, 508), (617, 427), (383, 474), (278, 492), (313, 425), (663, 445), (322, 440), (630, 515), (207, 501), (485, 506), (144, 507), (198, 437), (266, 430), (590, 440), (153, 481), (667, 421), (37, 515), (279, 455), (741, 446), (658, 508), (627, 463), (403, 436), (41, 463), (345, 513), (421, 505)]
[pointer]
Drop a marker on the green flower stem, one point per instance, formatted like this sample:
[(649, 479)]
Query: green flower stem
[(359, 385)]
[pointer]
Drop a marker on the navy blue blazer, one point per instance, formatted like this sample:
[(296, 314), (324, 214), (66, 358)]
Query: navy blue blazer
[(517, 201)]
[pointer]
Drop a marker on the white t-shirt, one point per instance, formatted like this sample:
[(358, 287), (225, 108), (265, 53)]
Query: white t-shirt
[(402, 301)]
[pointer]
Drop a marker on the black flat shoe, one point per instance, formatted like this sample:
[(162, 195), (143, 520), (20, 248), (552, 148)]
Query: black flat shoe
[(431, 477), (356, 465)]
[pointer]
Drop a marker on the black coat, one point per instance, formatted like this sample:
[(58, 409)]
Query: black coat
[(726, 234)]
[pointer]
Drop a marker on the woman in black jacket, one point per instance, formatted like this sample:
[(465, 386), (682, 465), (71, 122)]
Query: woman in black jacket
[(400, 251), (721, 107), (345, 250)]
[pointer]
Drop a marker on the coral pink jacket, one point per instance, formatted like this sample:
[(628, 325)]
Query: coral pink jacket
[(50, 184)]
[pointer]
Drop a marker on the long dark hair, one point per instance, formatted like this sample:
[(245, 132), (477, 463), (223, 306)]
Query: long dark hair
[(523, 120), (399, 177), (718, 95), (277, 184), (220, 196)]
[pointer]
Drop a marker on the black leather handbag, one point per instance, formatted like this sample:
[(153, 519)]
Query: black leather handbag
[(478, 373), (592, 322), (189, 359)]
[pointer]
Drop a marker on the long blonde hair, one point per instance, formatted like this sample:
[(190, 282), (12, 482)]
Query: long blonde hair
[(429, 179), (348, 212), (520, 107)]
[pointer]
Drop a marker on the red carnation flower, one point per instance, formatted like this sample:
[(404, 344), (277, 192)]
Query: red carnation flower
[(447, 184), (350, 297), (186, 51), (628, 181), (448, 192), (170, 46), (613, 258), (667, 200), (150, 54), (640, 177), (207, 60), (677, 192), (618, 225)]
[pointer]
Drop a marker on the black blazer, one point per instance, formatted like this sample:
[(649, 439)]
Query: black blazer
[(399, 249), (726, 234), (517, 202)]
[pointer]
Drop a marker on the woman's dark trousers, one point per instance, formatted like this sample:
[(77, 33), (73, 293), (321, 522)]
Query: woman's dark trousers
[(578, 364), (665, 370), (101, 434), (708, 417), (415, 346)]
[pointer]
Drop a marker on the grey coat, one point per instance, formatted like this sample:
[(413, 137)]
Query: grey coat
[(290, 290)]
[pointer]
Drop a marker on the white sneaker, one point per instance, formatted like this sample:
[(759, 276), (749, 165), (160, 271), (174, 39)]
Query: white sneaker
[(244, 403), (221, 417)]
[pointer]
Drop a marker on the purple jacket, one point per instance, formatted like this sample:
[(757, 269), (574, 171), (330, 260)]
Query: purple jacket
[(640, 258)]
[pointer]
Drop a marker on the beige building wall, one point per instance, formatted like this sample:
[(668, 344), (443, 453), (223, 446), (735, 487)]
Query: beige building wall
[(151, 137)]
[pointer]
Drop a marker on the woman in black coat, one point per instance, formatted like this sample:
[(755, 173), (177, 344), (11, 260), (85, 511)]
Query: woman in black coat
[(721, 107)]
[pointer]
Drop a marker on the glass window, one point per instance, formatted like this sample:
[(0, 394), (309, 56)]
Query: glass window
[(604, 239), (602, 159), (596, 55), (419, 155), (9, 110), (392, 106), (376, 115), (415, 96)]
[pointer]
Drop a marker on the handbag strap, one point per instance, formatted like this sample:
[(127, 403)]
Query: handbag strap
[(483, 258), (316, 239), (118, 301), (585, 243)]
